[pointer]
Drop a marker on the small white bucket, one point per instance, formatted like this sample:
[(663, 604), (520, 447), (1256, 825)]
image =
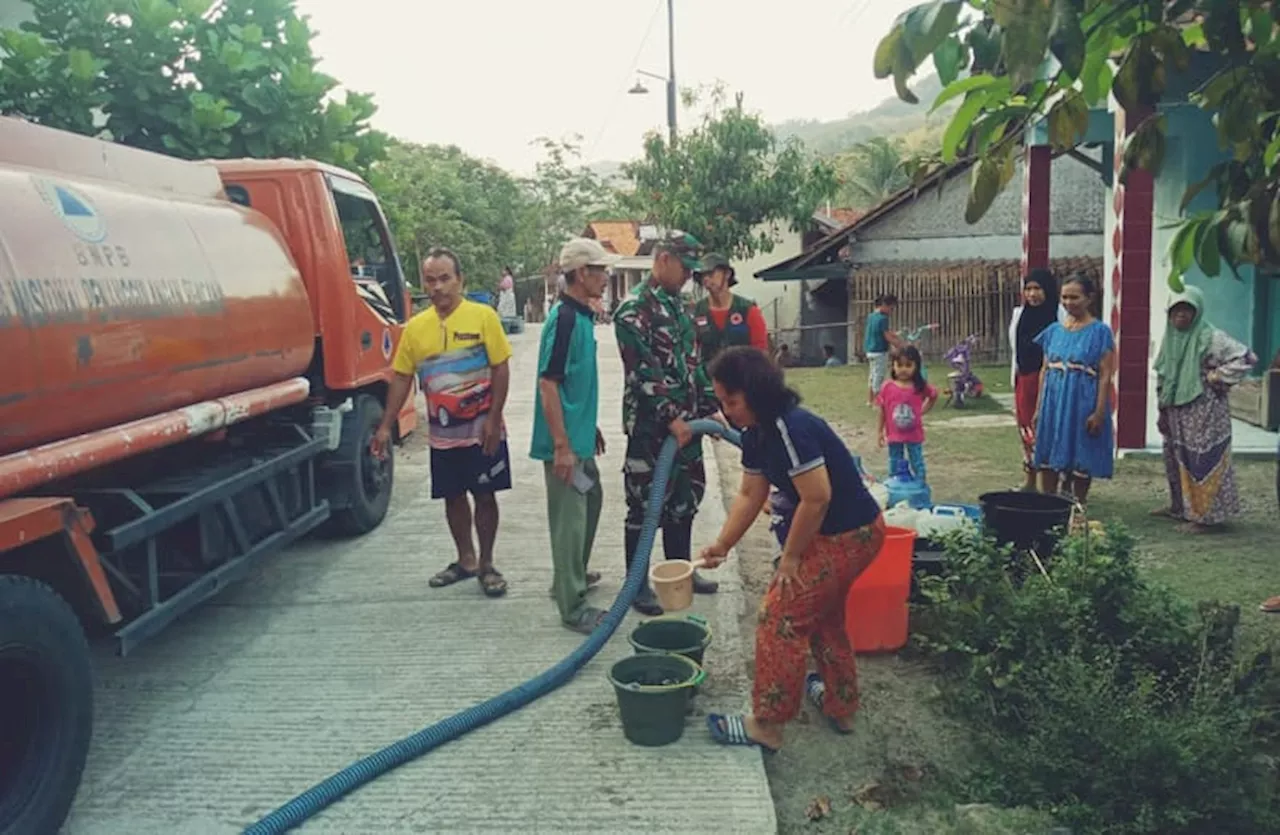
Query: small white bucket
[(673, 583)]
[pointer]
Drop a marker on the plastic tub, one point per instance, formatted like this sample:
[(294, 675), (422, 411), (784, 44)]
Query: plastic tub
[(875, 614)]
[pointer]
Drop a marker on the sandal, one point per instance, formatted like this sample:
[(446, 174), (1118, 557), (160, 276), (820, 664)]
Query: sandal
[(453, 573), (1163, 513), (732, 730), (493, 583), (588, 621), (815, 689), (1271, 605)]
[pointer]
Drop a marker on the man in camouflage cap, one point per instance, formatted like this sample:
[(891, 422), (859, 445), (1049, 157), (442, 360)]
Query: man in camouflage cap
[(665, 387)]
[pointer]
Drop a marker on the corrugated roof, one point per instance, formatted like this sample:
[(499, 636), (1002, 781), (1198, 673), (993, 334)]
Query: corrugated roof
[(620, 236)]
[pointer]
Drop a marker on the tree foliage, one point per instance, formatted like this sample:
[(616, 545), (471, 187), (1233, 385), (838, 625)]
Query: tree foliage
[(190, 78), (726, 178), (871, 171), (437, 195), (1055, 59), (565, 194)]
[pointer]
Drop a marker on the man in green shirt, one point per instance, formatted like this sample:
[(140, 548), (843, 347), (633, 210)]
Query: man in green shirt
[(566, 437)]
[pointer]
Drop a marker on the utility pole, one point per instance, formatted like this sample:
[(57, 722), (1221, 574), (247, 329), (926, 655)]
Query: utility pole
[(670, 78), (671, 70)]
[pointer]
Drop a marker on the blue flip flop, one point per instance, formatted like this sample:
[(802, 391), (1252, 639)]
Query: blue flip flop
[(816, 691), (732, 730)]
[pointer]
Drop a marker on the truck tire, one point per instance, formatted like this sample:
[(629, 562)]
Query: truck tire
[(360, 484), (46, 702)]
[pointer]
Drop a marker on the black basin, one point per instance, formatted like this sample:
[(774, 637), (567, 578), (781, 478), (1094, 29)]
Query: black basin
[(1025, 520)]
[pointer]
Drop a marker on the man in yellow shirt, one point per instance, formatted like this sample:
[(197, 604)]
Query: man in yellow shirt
[(459, 352)]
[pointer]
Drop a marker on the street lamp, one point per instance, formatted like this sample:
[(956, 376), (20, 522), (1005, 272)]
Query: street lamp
[(670, 78)]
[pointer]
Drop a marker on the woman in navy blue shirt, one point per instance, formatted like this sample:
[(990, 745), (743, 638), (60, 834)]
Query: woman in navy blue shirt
[(836, 530)]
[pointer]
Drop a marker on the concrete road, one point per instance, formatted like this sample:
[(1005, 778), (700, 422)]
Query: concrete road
[(330, 651)]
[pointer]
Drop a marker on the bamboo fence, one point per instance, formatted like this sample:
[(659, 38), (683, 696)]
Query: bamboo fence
[(963, 298)]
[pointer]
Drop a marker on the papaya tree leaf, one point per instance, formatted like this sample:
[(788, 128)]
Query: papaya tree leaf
[(1208, 256), (1068, 120), (958, 127), (994, 85), (1096, 77), (949, 58), (1026, 38), (1067, 39), (1273, 226), (886, 53), (984, 185)]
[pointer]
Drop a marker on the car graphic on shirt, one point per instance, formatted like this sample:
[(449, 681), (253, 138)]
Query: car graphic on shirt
[(460, 403)]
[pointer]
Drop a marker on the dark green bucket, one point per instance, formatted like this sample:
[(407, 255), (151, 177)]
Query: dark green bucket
[(688, 636), (653, 693)]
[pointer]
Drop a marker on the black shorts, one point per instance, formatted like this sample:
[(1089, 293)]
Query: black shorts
[(468, 470)]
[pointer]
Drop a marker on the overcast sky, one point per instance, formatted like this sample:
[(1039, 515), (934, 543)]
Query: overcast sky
[(492, 76)]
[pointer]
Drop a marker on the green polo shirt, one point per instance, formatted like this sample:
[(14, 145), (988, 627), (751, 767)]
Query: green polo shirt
[(567, 355)]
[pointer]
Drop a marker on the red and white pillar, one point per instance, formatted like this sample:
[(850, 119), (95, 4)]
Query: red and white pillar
[(1130, 288), (1035, 208)]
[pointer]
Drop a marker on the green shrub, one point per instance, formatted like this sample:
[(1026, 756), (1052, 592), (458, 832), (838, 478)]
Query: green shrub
[(1105, 700)]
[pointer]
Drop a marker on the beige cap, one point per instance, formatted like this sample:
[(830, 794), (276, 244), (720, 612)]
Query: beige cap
[(585, 252)]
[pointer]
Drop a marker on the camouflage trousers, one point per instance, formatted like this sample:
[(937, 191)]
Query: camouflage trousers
[(685, 487)]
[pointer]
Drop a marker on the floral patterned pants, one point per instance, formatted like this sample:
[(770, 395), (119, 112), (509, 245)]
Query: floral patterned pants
[(810, 617)]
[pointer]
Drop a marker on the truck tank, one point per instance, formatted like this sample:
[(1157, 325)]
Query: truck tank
[(120, 299)]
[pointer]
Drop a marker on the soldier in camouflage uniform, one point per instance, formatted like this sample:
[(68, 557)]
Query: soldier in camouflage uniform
[(665, 387)]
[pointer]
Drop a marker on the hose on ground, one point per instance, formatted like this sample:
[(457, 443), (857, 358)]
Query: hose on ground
[(323, 794)]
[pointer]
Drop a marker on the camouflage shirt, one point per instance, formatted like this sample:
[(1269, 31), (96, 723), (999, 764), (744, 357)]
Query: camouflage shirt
[(665, 379)]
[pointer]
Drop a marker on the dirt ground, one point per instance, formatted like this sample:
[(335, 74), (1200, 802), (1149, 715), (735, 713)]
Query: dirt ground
[(895, 773)]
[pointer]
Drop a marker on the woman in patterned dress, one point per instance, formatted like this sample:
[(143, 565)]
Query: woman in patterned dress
[(1073, 437), (1196, 365), (834, 531)]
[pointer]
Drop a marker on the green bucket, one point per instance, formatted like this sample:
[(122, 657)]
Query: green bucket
[(688, 636), (653, 694)]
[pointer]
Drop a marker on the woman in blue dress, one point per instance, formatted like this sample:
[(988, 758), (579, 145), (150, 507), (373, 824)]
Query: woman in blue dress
[(1074, 439)]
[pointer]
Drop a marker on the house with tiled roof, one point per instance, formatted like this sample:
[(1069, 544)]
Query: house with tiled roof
[(917, 245)]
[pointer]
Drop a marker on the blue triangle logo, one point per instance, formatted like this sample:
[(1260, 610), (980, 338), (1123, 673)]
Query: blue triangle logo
[(72, 205)]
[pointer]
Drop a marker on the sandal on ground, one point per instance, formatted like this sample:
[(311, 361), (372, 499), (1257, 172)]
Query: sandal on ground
[(493, 583), (732, 730), (1196, 529), (588, 621), (453, 573), (816, 691), (1163, 513), (1271, 605), (593, 580)]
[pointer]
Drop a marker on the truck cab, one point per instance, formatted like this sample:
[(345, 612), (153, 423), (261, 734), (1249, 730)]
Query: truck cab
[(199, 356), (341, 243)]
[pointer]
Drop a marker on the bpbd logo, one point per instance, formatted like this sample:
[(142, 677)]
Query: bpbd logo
[(74, 209)]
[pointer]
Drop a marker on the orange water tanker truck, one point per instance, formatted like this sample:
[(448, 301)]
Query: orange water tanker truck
[(194, 357)]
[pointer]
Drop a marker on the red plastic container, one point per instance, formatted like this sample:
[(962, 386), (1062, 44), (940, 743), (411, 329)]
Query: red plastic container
[(875, 612)]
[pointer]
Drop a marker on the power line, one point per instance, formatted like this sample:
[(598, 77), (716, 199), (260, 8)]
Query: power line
[(635, 62), (853, 12)]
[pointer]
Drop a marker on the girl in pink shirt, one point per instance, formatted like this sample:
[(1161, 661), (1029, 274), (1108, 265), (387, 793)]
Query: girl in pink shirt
[(904, 401)]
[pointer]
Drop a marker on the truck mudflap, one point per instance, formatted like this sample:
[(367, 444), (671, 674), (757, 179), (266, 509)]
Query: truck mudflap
[(21, 471), (27, 521)]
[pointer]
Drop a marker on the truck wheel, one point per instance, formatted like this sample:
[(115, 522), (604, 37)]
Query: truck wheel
[(46, 704), (363, 481)]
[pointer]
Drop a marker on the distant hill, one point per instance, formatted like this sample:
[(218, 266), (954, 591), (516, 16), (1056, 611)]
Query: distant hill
[(892, 117)]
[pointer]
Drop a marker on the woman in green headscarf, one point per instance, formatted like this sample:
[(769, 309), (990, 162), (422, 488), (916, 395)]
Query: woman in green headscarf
[(1196, 365)]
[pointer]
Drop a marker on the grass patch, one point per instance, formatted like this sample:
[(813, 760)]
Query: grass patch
[(1237, 566)]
